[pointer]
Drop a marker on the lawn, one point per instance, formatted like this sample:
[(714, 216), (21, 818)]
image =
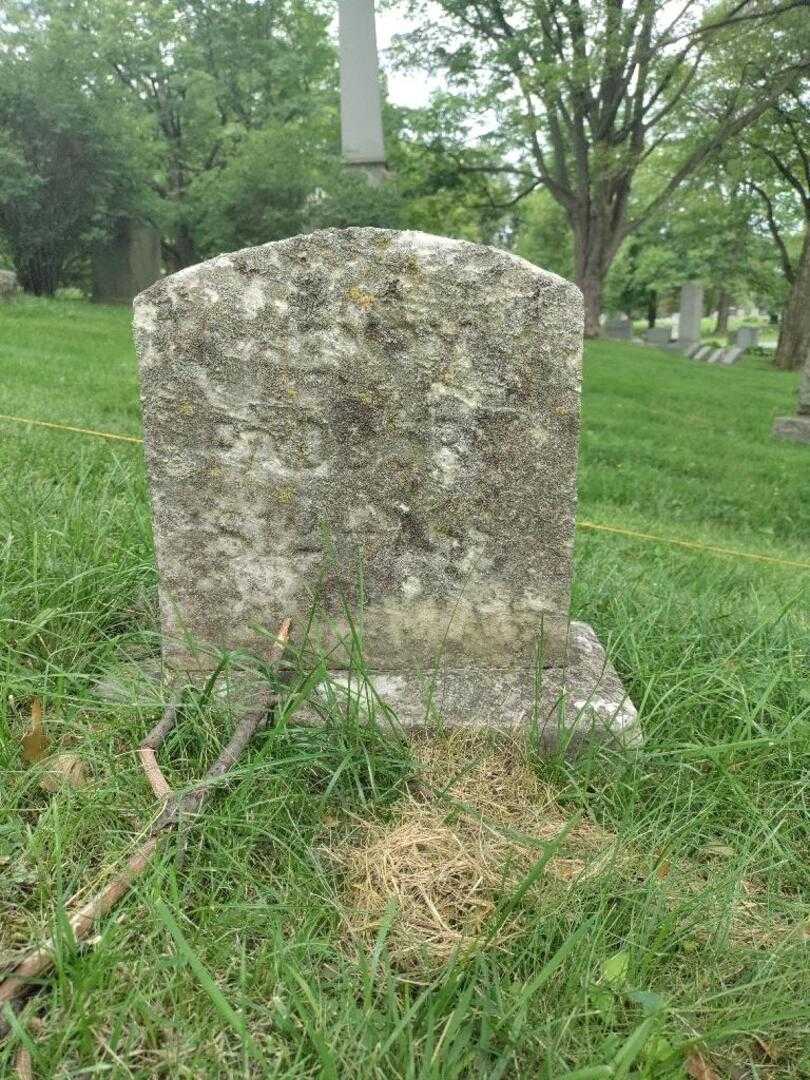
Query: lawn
[(639, 916)]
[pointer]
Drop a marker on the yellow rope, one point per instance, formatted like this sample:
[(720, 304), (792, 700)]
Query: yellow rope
[(692, 544), (66, 427)]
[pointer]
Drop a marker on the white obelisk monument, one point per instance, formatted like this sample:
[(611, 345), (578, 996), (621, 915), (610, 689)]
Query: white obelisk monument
[(360, 109)]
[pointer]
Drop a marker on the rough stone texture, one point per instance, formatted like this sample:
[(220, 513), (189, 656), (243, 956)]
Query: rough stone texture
[(385, 424), (745, 337), (127, 264), (574, 702), (691, 312), (794, 428), (619, 329), (658, 335), (580, 699), (403, 399), (9, 285)]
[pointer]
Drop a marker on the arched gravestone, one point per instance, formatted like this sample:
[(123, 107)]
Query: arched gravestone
[(386, 424)]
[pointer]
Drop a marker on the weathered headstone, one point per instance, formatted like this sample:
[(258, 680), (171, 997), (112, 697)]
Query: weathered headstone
[(658, 335), (797, 428), (703, 353), (9, 285), (387, 422), (715, 356), (691, 313), (693, 350), (127, 263), (746, 337), (619, 328)]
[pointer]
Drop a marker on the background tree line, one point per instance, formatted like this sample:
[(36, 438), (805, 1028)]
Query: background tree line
[(625, 143)]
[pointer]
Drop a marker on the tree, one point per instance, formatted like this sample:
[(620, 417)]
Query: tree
[(778, 163), (708, 234), (206, 75), (66, 162), (543, 235), (588, 92)]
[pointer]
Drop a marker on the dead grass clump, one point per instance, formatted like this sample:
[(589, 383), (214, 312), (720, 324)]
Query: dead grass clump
[(466, 836)]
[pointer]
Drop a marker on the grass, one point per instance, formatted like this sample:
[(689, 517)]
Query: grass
[(677, 939)]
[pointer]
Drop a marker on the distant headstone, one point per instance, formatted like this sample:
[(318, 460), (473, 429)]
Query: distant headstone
[(658, 335), (383, 424), (127, 263), (797, 428), (691, 313), (619, 328), (746, 337), (693, 350), (9, 286), (732, 355), (703, 353), (794, 428), (715, 356)]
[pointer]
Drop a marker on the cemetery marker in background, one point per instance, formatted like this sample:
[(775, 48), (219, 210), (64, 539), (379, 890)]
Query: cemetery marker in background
[(797, 428), (126, 262), (361, 129), (386, 423), (691, 313)]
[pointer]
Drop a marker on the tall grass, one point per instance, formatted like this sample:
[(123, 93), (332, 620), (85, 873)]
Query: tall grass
[(235, 960)]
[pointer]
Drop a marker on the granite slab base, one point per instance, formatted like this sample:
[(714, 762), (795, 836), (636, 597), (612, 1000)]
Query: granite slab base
[(573, 703), (795, 428)]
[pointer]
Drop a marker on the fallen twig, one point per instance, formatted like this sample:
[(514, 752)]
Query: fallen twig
[(81, 922), (155, 739)]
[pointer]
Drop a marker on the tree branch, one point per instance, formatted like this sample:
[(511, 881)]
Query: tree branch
[(787, 266)]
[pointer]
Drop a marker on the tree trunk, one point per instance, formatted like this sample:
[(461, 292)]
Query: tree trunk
[(182, 252), (38, 273), (723, 305), (592, 297), (793, 347), (185, 246), (652, 308), (597, 238)]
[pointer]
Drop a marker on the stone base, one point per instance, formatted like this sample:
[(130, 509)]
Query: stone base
[(795, 428), (570, 704)]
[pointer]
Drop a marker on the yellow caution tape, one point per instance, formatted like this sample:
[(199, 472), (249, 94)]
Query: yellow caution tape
[(712, 549)]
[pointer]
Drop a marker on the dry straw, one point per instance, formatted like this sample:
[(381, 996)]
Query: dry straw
[(457, 846)]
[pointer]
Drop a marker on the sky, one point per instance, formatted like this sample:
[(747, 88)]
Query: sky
[(409, 89), (413, 88)]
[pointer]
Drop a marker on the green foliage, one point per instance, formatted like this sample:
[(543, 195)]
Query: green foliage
[(207, 87), (345, 198), (679, 941), (543, 234), (68, 161), (260, 194), (586, 98)]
